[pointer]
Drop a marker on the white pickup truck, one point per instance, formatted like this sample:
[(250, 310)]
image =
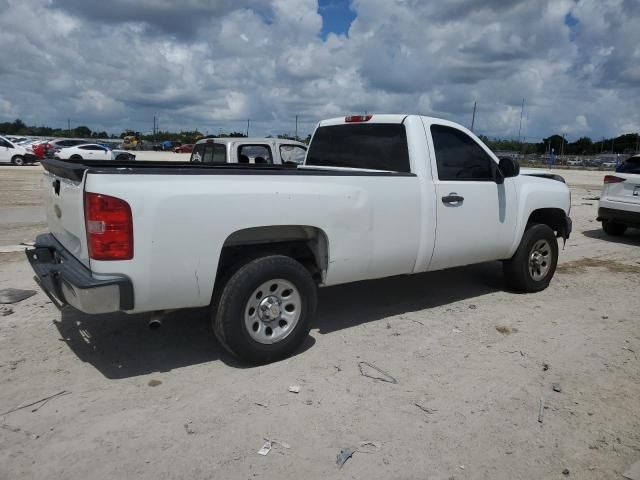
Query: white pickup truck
[(378, 196)]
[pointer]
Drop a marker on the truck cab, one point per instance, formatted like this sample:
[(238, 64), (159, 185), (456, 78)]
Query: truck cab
[(265, 151)]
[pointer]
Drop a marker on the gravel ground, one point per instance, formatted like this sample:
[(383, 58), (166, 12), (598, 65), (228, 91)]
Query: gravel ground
[(471, 363)]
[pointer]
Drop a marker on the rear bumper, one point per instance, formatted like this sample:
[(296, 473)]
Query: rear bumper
[(626, 217), (68, 282)]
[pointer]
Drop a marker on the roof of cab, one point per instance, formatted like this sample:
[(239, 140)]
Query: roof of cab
[(227, 140)]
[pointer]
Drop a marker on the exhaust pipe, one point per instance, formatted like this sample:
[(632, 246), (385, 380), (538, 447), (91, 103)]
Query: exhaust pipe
[(156, 320)]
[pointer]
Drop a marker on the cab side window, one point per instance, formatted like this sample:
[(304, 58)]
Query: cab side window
[(459, 157)]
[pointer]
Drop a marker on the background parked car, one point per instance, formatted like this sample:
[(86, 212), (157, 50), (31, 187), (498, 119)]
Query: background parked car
[(186, 148), (56, 145), (93, 151), (15, 154)]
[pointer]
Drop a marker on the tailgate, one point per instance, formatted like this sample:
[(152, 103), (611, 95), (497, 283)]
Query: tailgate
[(627, 191), (63, 197)]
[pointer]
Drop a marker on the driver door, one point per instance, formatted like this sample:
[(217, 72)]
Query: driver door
[(475, 216)]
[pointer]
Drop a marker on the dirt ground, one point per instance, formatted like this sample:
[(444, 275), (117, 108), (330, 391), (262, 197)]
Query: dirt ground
[(471, 363)]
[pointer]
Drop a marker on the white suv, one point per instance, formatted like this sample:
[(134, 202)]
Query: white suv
[(619, 206)]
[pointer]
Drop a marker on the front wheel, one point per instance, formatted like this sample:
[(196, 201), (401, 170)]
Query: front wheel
[(18, 160), (534, 263), (264, 311)]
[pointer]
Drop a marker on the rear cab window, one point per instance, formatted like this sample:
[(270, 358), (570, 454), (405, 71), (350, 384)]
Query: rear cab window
[(373, 146), (630, 165)]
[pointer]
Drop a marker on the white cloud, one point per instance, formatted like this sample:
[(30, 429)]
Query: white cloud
[(115, 65)]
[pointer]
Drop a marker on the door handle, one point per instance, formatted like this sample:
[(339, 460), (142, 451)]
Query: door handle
[(453, 198)]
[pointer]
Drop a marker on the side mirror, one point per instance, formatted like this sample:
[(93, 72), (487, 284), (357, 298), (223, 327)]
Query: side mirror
[(509, 167)]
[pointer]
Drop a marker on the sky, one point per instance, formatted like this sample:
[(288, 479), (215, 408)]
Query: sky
[(213, 64)]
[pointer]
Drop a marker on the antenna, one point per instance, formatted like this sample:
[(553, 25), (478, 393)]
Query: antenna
[(521, 112), (473, 118)]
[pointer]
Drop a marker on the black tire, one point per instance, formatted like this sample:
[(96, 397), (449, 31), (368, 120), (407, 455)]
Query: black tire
[(525, 276), (231, 305), (18, 160), (75, 157), (613, 228)]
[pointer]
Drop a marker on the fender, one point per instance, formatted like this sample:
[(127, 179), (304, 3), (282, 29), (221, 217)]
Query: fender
[(537, 193)]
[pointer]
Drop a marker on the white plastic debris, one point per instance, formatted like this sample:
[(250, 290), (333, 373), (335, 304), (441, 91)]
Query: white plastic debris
[(294, 388), (266, 448)]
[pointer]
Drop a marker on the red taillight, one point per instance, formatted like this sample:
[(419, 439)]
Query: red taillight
[(109, 227), (612, 179), (357, 118)]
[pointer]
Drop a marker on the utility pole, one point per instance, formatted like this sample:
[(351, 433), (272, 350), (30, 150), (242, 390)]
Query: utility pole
[(562, 146), (247, 127), (521, 112), (154, 129), (473, 118), (296, 127), (612, 140), (69, 126)]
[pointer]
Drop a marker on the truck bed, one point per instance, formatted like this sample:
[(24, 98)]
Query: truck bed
[(75, 170)]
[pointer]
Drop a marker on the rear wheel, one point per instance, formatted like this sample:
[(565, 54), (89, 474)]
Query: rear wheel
[(18, 160), (75, 157), (613, 228), (264, 311), (534, 263)]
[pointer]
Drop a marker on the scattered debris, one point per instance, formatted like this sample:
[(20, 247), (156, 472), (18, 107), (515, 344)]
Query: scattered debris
[(43, 401), (154, 383), (506, 330), (565, 472), (430, 411), (14, 295), (634, 472), (34, 436), (188, 428), (294, 388), (541, 410), (266, 448), (265, 405), (604, 317), (545, 366), (308, 402), (556, 387), (456, 330), (344, 455), (278, 442), (417, 321), (375, 445), (587, 203), (366, 370), (591, 198), (5, 311), (472, 307)]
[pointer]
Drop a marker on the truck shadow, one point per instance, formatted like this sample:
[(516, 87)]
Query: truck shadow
[(631, 236), (122, 346), (345, 306)]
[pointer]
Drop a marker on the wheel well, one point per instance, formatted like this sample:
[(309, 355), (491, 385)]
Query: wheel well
[(306, 244), (553, 217)]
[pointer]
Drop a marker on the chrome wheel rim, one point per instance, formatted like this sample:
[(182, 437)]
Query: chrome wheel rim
[(272, 311), (540, 260)]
